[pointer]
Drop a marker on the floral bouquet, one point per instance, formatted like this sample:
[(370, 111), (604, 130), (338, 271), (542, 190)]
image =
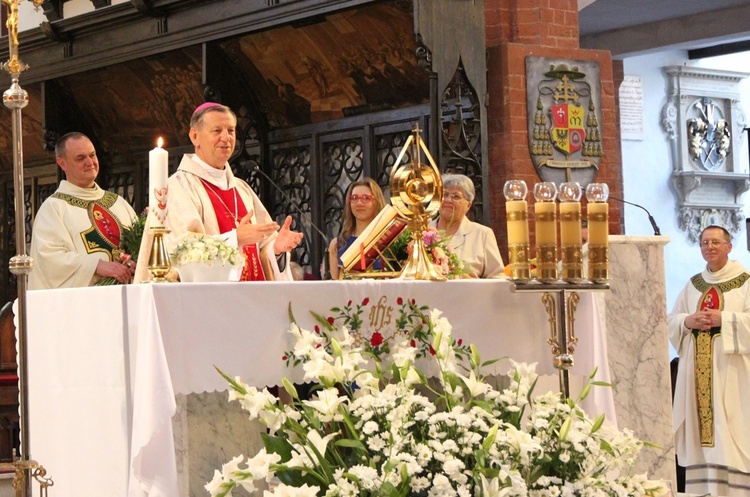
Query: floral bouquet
[(377, 426), (438, 249), (205, 250), (130, 244)]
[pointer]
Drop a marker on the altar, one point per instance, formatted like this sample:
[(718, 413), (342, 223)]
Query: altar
[(107, 364)]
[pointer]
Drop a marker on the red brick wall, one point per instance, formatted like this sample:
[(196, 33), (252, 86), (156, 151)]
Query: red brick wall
[(543, 28)]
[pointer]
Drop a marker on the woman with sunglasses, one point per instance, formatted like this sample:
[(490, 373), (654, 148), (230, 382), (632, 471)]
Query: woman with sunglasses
[(474, 243), (364, 200)]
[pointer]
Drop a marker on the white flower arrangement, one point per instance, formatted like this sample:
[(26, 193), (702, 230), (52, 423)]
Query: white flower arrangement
[(375, 426), (206, 250)]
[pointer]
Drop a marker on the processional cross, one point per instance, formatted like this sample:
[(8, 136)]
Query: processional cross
[(15, 98)]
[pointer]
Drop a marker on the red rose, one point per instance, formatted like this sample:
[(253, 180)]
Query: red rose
[(413, 301), (460, 341), (376, 339), (366, 301), (330, 320), (432, 351), (317, 329), (413, 343), (349, 304), (400, 301), (284, 358)]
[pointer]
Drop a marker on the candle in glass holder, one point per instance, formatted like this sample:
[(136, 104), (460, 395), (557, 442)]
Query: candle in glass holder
[(598, 224), (158, 167), (570, 232), (545, 217), (517, 215)]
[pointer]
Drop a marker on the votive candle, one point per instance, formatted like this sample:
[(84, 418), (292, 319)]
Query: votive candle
[(570, 232), (517, 215), (545, 217), (598, 224)]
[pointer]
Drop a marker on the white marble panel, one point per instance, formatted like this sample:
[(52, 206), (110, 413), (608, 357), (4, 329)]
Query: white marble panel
[(638, 347)]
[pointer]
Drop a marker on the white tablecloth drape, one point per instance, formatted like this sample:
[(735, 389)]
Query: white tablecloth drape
[(106, 363)]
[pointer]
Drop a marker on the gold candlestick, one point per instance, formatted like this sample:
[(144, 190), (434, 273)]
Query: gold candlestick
[(15, 99), (598, 223), (570, 232), (545, 217), (159, 264), (517, 214)]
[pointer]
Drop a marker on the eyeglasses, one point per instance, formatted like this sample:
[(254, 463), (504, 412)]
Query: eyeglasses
[(712, 243), (453, 197), (366, 199)]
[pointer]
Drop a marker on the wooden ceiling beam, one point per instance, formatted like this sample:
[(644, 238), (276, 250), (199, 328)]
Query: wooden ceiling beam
[(121, 33)]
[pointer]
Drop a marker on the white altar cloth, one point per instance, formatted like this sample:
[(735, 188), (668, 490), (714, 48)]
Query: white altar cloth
[(105, 363)]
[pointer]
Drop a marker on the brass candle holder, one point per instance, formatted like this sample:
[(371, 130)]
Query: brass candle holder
[(517, 215), (571, 242), (545, 217), (598, 224), (159, 264)]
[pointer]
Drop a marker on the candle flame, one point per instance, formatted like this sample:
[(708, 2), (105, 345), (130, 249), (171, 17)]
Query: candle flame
[(159, 142)]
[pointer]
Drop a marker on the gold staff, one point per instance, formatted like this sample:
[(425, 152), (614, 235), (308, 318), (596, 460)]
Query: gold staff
[(15, 98)]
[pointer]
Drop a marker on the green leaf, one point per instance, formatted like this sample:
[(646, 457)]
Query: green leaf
[(348, 442), (290, 388), (598, 422), (323, 321), (291, 314)]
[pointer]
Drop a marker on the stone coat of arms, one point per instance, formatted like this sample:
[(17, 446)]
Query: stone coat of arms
[(565, 139)]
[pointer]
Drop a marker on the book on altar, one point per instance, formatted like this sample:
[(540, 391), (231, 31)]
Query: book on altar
[(374, 240)]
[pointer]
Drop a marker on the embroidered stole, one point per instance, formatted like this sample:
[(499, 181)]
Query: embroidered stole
[(221, 200), (712, 297), (106, 229)]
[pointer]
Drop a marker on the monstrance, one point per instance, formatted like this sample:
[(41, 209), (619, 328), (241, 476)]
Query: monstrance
[(416, 193)]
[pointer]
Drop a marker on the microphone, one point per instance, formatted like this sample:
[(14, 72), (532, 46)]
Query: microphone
[(657, 232), (257, 169)]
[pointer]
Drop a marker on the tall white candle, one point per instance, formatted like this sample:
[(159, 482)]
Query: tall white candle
[(158, 168)]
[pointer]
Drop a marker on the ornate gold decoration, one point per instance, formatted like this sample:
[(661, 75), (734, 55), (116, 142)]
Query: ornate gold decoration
[(598, 264), (704, 342), (159, 264), (16, 98), (416, 193), (702, 286), (562, 338), (572, 263)]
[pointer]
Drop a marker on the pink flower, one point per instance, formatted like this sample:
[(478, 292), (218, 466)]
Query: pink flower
[(431, 237)]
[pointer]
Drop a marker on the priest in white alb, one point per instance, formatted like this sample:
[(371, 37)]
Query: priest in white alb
[(709, 327), (205, 198), (75, 240)]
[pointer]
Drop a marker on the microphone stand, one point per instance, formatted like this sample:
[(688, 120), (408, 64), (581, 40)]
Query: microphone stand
[(302, 214), (657, 232)]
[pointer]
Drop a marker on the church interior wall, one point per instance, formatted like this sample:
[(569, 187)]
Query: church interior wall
[(647, 166)]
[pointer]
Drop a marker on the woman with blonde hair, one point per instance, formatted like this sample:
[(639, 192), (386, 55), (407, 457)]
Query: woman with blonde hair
[(364, 200)]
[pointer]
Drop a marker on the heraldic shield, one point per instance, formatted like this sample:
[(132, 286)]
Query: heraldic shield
[(563, 118)]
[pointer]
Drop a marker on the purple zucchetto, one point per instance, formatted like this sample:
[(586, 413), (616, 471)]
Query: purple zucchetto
[(204, 106)]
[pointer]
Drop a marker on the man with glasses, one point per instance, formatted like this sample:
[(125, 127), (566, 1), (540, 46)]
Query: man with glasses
[(709, 327)]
